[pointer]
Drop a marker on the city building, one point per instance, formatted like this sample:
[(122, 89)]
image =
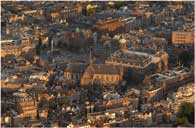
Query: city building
[(66, 13), (141, 119), (182, 38), (130, 23), (139, 60), (103, 74), (172, 79), (109, 112), (26, 107), (109, 26), (132, 77), (74, 71), (182, 95)]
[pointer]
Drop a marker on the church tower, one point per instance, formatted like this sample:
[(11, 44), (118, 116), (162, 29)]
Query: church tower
[(123, 44)]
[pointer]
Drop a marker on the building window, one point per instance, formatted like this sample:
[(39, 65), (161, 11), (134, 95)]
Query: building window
[(102, 77), (106, 78), (97, 77), (114, 78), (110, 78), (117, 78), (77, 77), (67, 75), (72, 76)]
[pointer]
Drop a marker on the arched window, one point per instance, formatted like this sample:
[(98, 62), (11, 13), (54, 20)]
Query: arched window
[(106, 78), (117, 78), (102, 77), (72, 76), (110, 78)]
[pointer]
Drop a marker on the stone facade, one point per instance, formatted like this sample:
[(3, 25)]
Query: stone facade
[(101, 74), (139, 62), (185, 38), (74, 71), (109, 26)]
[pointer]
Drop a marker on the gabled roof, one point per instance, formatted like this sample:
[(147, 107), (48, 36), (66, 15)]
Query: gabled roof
[(76, 67), (105, 69)]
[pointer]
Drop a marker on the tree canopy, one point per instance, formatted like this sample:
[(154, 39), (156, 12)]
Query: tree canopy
[(186, 114), (119, 4), (186, 58)]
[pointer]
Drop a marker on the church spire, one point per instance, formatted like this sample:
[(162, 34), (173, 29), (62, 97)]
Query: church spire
[(90, 56)]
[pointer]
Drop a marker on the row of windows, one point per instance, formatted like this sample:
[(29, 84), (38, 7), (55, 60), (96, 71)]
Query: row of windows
[(107, 77), (181, 37), (102, 77), (182, 41), (72, 76), (129, 63)]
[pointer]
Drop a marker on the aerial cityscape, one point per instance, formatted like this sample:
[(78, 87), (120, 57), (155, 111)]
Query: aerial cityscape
[(83, 64)]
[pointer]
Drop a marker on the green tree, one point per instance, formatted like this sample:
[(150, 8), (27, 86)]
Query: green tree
[(186, 112), (64, 100), (119, 4), (183, 120), (191, 117), (39, 46), (38, 50), (186, 109), (53, 105), (40, 42), (186, 58)]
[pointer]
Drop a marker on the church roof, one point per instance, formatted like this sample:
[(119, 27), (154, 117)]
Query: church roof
[(105, 69), (76, 67)]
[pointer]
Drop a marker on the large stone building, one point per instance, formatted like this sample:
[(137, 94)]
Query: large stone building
[(70, 39), (15, 18), (109, 26), (109, 112), (141, 119), (170, 80), (183, 95), (11, 50), (74, 71), (184, 38), (10, 46), (66, 13), (26, 107), (130, 23), (139, 60), (102, 74)]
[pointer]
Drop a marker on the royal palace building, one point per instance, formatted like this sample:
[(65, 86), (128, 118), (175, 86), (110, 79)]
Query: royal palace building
[(139, 60)]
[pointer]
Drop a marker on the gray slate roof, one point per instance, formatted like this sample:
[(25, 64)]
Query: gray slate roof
[(76, 67), (105, 69)]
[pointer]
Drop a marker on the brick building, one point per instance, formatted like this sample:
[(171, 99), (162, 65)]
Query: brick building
[(185, 38), (26, 107), (66, 13), (109, 26), (102, 74), (74, 71)]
